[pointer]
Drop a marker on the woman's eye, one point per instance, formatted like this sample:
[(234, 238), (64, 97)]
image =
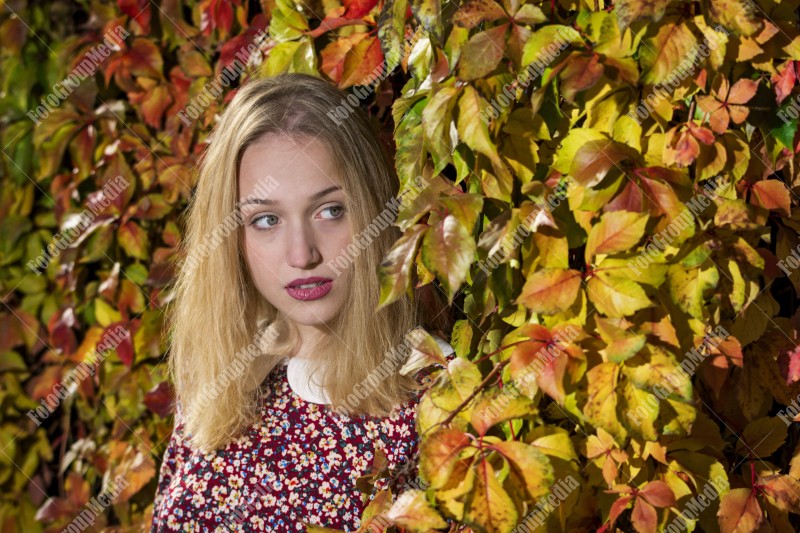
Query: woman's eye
[(335, 207), (259, 221)]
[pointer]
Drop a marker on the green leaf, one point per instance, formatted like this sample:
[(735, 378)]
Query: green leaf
[(448, 249), (616, 297), (489, 505), (483, 53), (395, 270), (530, 465)]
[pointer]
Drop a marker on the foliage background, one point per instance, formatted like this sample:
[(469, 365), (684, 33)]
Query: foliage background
[(570, 122)]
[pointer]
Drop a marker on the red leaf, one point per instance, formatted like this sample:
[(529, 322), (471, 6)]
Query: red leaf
[(160, 398), (363, 64), (62, 336), (618, 507), (644, 517), (742, 91), (783, 81), (152, 102), (358, 8), (138, 11), (772, 195), (119, 338), (658, 494)]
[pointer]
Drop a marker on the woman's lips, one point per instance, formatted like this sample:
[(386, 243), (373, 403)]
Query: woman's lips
[(311, 293)]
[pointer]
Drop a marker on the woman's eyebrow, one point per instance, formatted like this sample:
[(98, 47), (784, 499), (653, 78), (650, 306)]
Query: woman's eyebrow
[(266, 201)]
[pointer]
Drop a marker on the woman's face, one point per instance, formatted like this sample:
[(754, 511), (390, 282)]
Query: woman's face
[(295, 221)]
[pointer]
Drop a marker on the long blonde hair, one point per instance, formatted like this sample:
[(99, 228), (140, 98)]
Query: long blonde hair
[(218, 320)]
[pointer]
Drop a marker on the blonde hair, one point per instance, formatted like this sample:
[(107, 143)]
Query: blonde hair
[(217, 315)]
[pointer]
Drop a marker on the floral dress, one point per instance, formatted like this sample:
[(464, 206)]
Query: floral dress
[(298, 463)]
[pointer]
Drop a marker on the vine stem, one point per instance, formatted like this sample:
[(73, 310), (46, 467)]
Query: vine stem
[(497, 368)]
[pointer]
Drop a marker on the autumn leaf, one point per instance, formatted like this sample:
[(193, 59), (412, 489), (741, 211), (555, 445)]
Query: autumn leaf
[(739, 511), (726, 104), (550, 290), (489, 505)]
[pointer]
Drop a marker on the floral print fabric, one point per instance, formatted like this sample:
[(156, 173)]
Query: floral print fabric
[(299, 463)]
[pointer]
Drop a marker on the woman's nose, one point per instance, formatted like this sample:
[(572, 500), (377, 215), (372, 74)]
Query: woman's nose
[(302, 248)]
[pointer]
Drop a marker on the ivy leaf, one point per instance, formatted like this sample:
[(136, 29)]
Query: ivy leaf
[(739, 511), (737, 15), (134, 240), (581, 72), (536, 47), (498, 406), (429, 15), (483, 53), (395, 270), (644, 517), (529, 465), (601, 404), (463, 378), (439, 455), (363, 64), (659, 56), (616, 297), (543, 361), (594, 159), (358, 8), (550, 290), (784, 492), (658, 494), (489, 505), (772, 195), (333, 55), (412, 511), (617, 231), (631, 10), (762, 437), (473, 12), (448, 249), (688, 286)]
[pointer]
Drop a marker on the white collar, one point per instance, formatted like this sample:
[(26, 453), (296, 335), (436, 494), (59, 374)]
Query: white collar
[(307, 385)]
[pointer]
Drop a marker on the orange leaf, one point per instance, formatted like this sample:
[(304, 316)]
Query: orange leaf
[(739, 512), (550, 290), (772, 195), (363, 64), (439, 454), (473, 12), (644, 517), (658, 493)]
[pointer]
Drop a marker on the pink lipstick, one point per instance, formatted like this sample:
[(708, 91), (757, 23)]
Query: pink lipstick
[(306, 289)]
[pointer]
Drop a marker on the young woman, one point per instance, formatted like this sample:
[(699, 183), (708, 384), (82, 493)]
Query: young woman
[(287, 380)]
